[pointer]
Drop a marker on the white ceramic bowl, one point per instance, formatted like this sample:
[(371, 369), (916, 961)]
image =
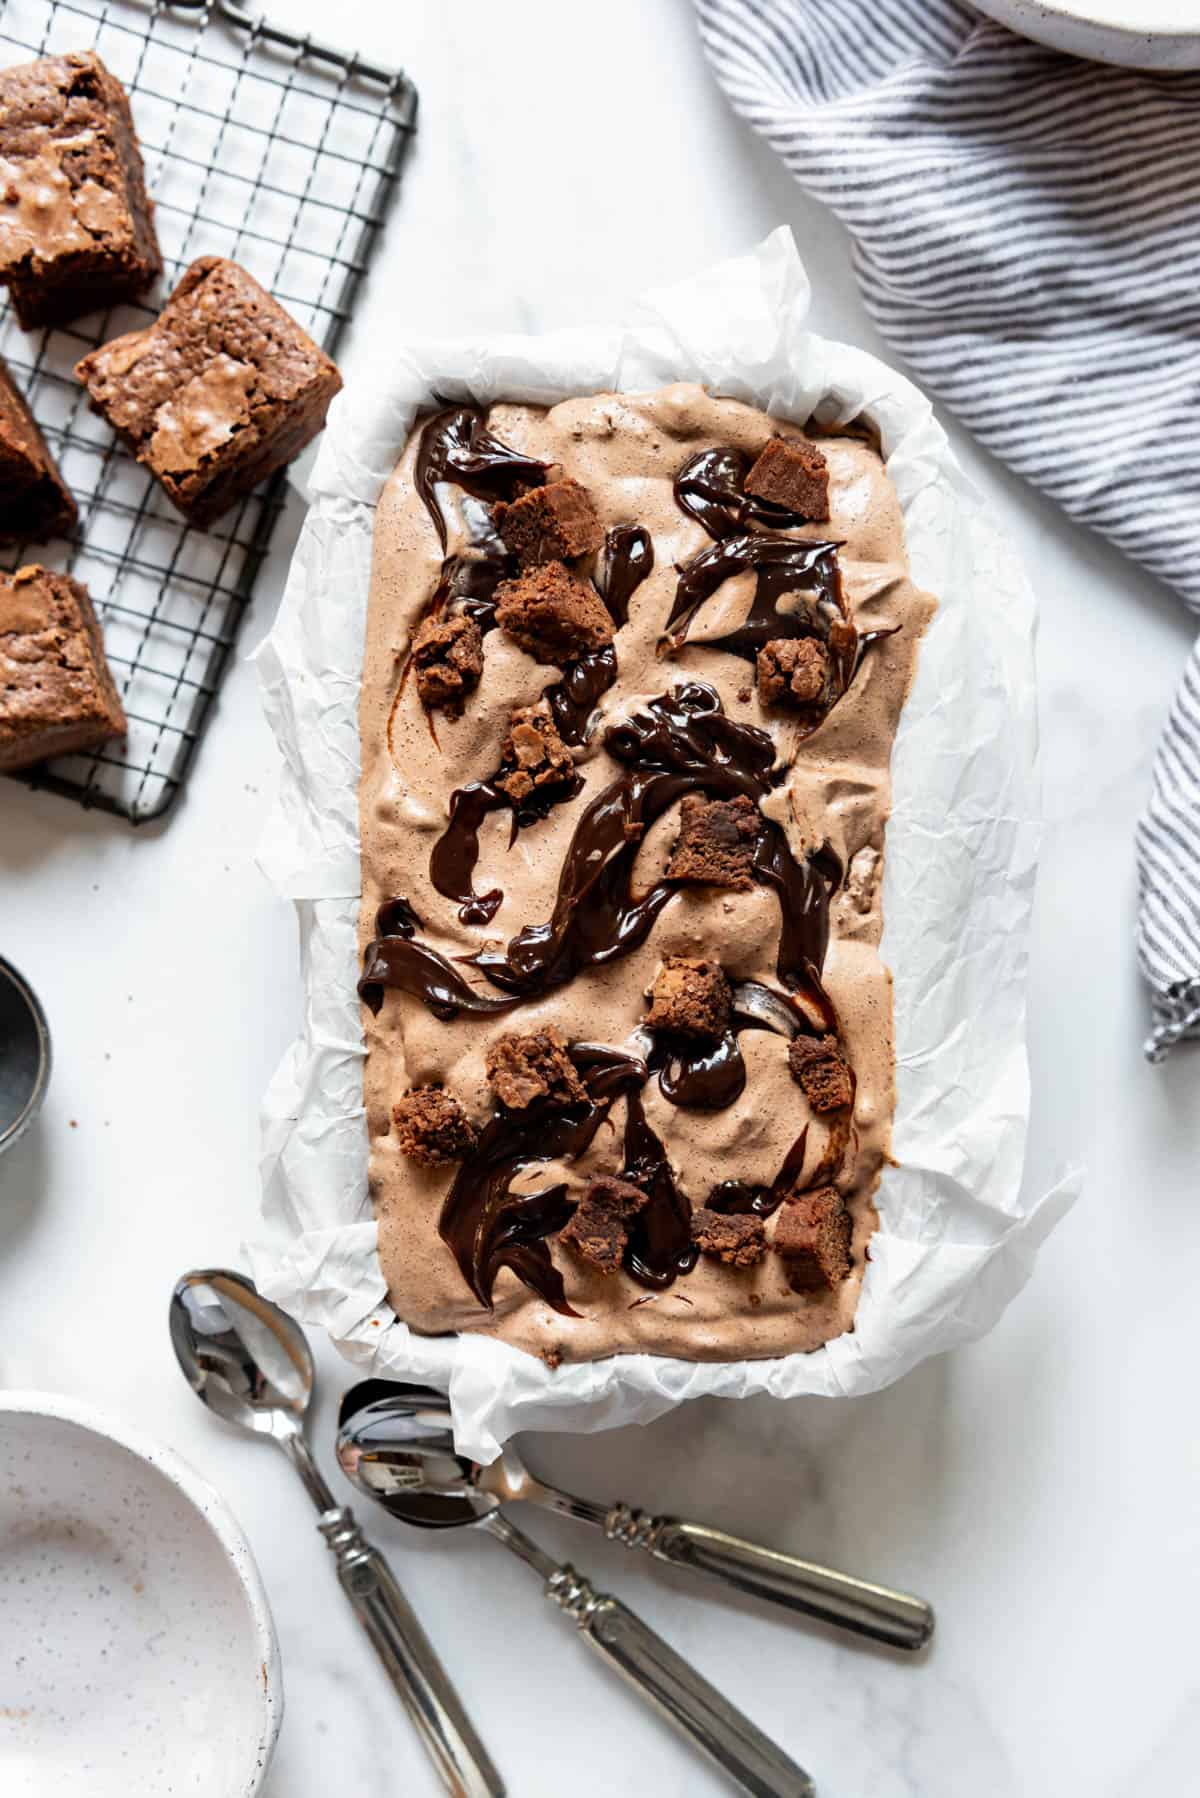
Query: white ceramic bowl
[(137, 1654), (1142, 34)]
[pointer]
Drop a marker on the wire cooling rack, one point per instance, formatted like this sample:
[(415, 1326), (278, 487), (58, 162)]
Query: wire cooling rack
[(282, 154)]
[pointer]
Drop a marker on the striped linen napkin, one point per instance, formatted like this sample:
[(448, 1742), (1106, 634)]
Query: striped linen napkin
[(1027, 234)]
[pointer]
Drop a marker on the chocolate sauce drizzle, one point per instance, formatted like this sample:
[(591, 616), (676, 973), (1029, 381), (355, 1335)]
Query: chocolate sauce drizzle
[(784, 567), (456, 852), (457, 448), (395, 959), (711, 489), (572, 699), (710, 1075), (682, 743), (742, 1196), (660, 1236), (704, 1076), (625, 561), (488, 1227)]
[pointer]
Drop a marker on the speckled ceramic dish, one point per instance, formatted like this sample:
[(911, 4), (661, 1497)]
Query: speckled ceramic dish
[(1142, 34), (137, 1653)]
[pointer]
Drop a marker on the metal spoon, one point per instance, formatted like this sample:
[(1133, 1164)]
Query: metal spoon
[(250, 1362), (416, 1421), (421, 1482)]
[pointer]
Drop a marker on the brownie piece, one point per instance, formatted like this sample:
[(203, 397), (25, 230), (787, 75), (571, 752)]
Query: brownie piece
[(34, 500), (534, 759), (691, 998), (716, 842), (551, 523), (447, 656), (551, 615), (738, 1238), (599, 1230), (794, 671), (812, 1233), (56, 693), (76, 227), (220, 391), (524, 1069), (792, 474), (822, 1072), (431, 1127)]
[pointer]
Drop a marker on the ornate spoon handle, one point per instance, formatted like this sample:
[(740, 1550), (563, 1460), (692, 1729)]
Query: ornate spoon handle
[(410, 1659), (671, 1684), (876, 1611)]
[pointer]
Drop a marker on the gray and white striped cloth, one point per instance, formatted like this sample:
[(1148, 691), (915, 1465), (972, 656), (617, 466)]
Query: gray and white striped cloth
[(1027, 233)]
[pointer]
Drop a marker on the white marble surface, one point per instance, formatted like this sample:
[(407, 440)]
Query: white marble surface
[(1043, 1488)]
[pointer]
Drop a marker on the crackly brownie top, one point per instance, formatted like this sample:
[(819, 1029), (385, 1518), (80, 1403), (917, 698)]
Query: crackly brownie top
[(63, 187), (51, 663), (223, 357), (632, 672), (30, 483)]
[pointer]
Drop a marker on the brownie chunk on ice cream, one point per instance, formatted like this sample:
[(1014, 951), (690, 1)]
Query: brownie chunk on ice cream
[(737, 1239), (690, 998), (554, 523), (526, 1070), (431, 1127), (534, 757), (812, 1233), (552, 615), (716, 843), (821, 1071), (76, 227), (599, 1230), (792, 474), (447, 656), (220, 391), (794, 671)]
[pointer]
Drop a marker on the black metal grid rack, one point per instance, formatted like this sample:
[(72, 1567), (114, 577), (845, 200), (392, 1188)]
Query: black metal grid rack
[(282, 154)]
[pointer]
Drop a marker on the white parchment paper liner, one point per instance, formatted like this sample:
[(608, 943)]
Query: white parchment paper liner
[(958, 1227)]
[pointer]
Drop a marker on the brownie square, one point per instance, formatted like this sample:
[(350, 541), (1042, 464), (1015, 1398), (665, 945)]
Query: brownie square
[(220, 391), (34, 500), (56, 692), (76, 226)]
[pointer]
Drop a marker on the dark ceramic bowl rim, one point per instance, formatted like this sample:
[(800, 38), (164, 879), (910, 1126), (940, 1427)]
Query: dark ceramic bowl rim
[(33, 1104)]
